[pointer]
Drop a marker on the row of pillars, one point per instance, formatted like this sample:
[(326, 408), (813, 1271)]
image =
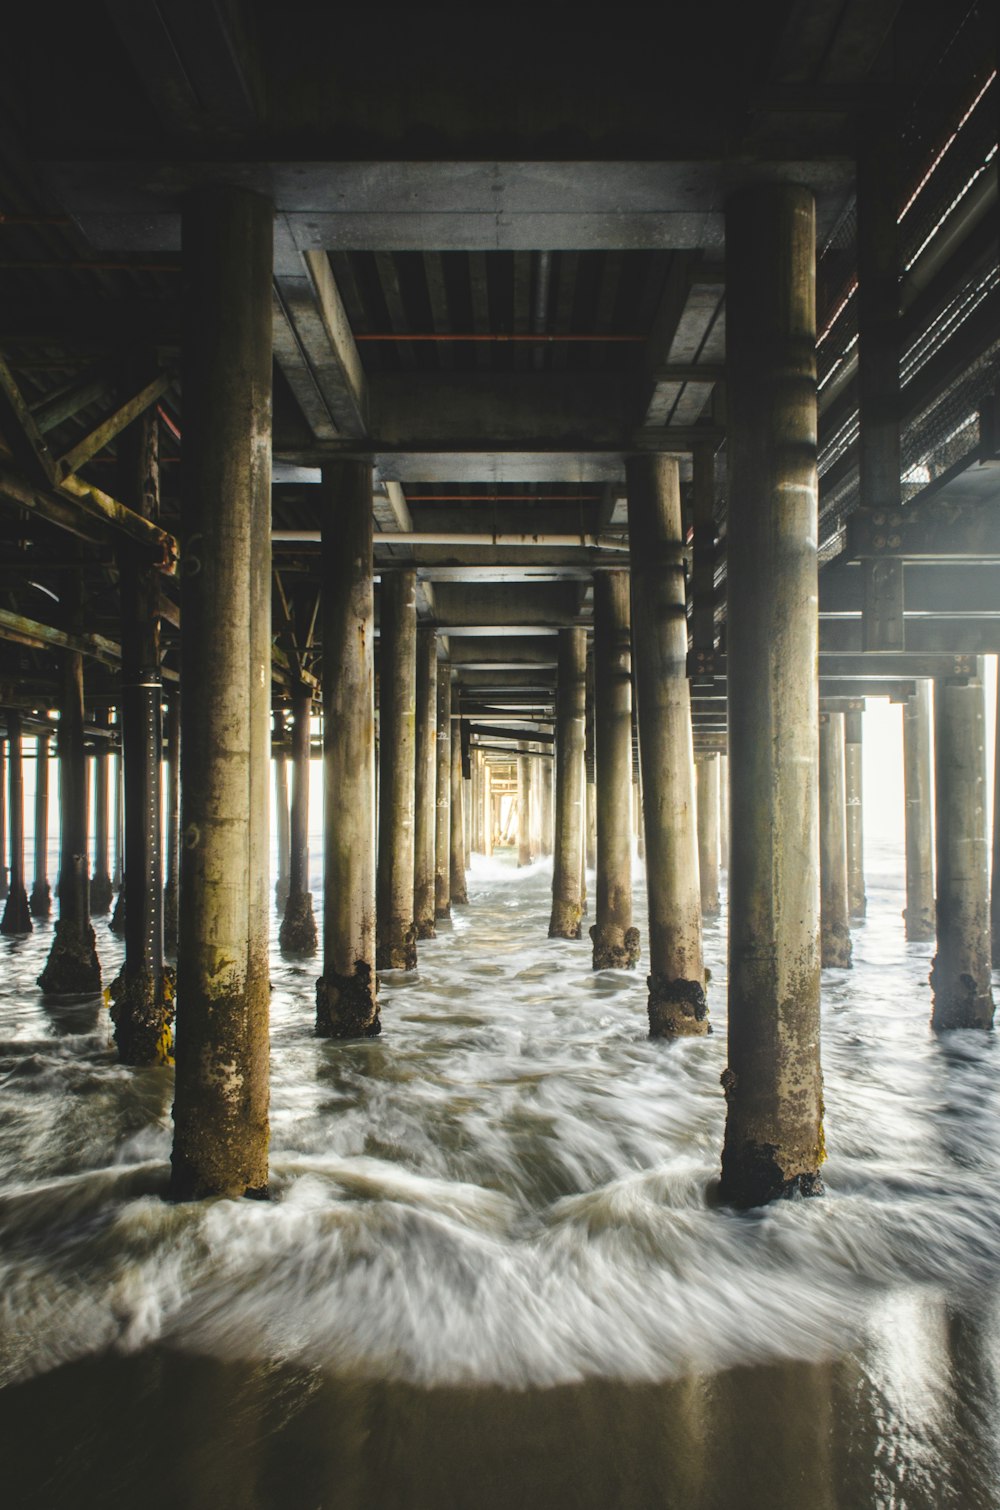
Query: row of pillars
[(104, 881), (372, 917)]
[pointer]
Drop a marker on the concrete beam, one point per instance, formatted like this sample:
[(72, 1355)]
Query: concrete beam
[(928, 587), (313, 344), (953, 531)]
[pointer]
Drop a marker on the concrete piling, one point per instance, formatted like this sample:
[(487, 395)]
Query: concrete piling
[(442, 800), (707, 783), (458, 888), (676, 1004), (346, 993), (40, 901), (396, 934), (567, 900), (773, 1083), (223, 987), (857, 902), (919, 815), (16, 914), (297, 934), (835, 931), (425, 795), (960, 975), (615, 940)]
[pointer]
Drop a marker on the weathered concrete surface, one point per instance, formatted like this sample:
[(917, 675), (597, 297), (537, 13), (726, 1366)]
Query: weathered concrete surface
[(173, 822), (346, 1001), (773, 1083), (442, 801), (72, 966), (40, 901), (425, 798), (142, 1004), (960, 975), (297, 934), (615, 940), (16, 914), (835, 930), (677, 1006), (707, 782), (919, 911), (524, 764), (101, 890), (283, 822), (857, 901), (221, 1099), (459, 889), (567, 867), (396, 934)]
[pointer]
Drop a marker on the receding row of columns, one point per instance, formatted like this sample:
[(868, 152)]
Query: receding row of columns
[(373, 912)]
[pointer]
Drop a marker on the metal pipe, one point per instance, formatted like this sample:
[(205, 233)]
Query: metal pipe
[(531, 338), (456, 537)]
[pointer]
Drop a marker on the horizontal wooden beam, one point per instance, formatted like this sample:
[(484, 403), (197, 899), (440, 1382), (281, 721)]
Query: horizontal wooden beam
[(77, 506), (38, 636)]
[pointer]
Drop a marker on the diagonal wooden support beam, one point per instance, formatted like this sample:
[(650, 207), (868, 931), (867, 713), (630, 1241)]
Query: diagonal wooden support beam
[(64, 402), (313, 344), (115, 423), (26, 441)]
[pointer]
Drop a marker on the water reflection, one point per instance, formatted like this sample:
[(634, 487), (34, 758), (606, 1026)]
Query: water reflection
[(491, 1273)]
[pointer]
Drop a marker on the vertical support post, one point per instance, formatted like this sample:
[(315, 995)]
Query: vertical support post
[(487, 808), (857, 902), (442, 801), (707, 781), (546, 802), (426, 783), (118, 832), (724, 812), (918, 914), (396, 935), (16, 916), (346, 1000), (571, 694), (283, 824), (878, 376), (101, 890), (615, 940), (960, 975), (4, 884), (72, 966), (676, 1003), (835, 932), (523, 805), (995, 870), (459, 890), (221, 1100), (41, 894), (590, 776), (142, 1009), (773, 1083), (173, 816), (297, 934), (703, 555), (476, 815)]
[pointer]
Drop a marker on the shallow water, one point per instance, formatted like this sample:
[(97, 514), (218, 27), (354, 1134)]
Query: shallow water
[(491, 1272)]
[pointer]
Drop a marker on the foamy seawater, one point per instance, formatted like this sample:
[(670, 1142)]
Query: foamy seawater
[(511, 1188)]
